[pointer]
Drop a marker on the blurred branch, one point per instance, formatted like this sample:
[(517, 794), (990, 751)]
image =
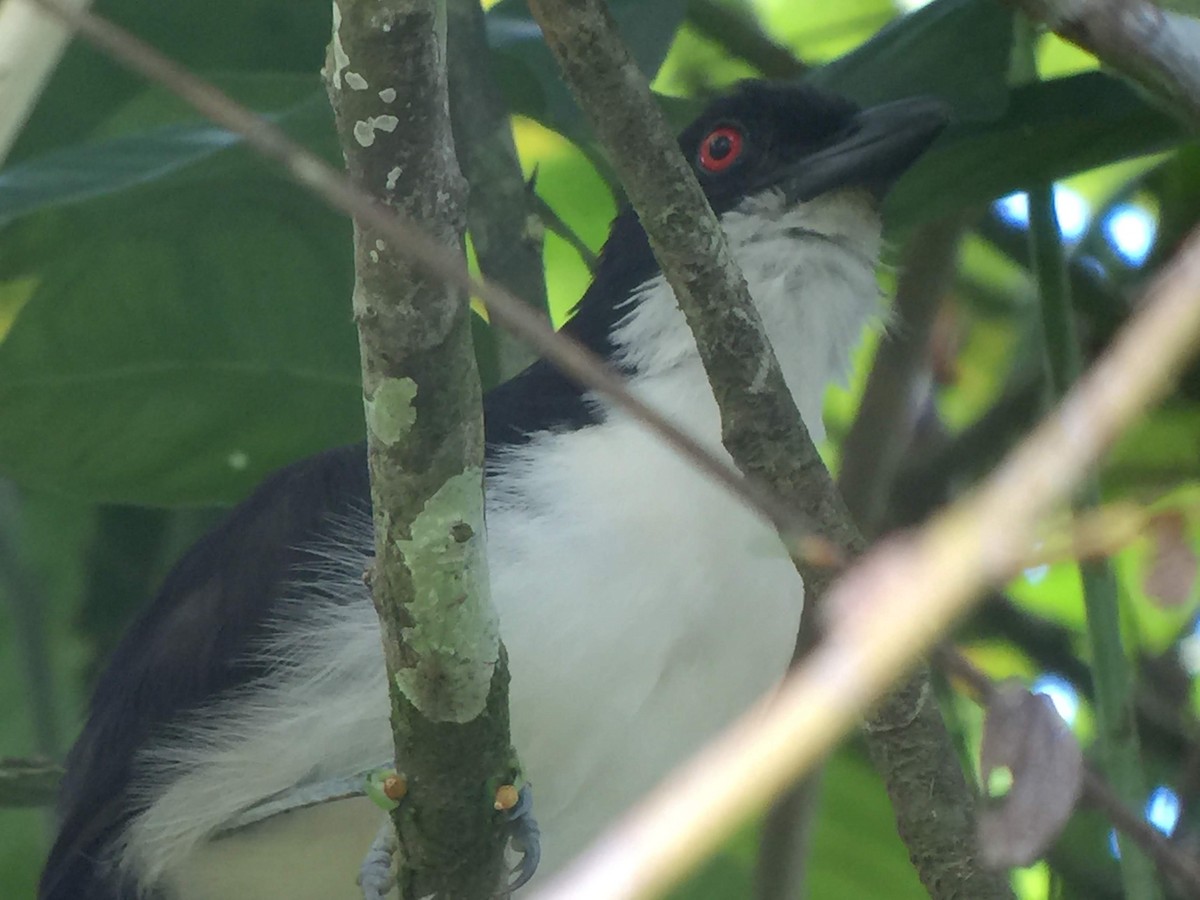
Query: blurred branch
[(883, 426), (30, 45), (1171, 860), (505, 229), (28, 782), (1155, 47), (930, 480), (895, 602), (739, 34), (781, 869)]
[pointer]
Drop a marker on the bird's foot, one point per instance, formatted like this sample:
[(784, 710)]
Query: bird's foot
[(524, 837)]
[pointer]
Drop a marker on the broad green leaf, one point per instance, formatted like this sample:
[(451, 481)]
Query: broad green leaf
[(823, 31), (209, 36), (50, 536), (957, 50), (186, 340), (91, 170), (1048, 131), (155, 137), (856, 852)]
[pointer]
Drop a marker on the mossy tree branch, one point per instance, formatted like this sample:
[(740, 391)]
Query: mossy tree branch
[(386, 77)]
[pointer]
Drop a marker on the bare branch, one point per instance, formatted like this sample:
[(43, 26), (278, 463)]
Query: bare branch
[(760, 426)]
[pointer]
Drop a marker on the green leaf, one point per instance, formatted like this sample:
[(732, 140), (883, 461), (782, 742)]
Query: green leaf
[(208, 36), (155, 137), (1048, 131), (957, 50), (856, 852), (182, 340), (181, 309)]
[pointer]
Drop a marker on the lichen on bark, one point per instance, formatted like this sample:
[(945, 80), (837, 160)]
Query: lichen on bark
[(386, 76)]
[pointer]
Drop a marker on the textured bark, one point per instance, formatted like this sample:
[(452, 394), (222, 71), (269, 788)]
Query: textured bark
[(761, 428), (386, 76)]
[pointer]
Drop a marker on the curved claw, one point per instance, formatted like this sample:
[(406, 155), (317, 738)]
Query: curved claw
[(526, 838)]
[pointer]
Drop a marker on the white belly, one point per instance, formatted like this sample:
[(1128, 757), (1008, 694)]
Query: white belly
[(673, 617), (643, 609)]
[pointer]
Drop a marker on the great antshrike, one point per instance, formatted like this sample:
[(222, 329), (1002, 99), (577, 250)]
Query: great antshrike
[(643, 607)]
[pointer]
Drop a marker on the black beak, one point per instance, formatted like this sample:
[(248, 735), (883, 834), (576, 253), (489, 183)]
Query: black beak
[(876, 149)]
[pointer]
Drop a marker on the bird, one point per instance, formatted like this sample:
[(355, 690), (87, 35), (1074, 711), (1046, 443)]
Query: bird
[(642, 606)]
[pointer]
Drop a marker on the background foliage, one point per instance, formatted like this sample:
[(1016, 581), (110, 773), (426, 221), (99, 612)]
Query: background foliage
[(174, 323)]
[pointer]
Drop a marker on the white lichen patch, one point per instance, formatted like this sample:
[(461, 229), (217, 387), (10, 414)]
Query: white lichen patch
[(364, 129), (380, 245), (340, 58), (389, 409), (387, 95), (238, 460), (454, 634), (364, 133), (356, 81), (392, 177), (374, 254)]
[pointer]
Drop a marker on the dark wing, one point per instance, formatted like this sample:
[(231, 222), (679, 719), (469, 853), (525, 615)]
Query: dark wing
[(192, 644)]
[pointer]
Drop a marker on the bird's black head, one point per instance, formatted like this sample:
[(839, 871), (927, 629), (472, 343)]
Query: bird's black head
[(804, 141), (791, 139)]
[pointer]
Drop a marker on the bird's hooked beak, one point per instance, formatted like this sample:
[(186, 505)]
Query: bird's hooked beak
[(873, 152)]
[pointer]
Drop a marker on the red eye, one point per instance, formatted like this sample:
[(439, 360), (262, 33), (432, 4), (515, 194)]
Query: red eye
[(720, 149)]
